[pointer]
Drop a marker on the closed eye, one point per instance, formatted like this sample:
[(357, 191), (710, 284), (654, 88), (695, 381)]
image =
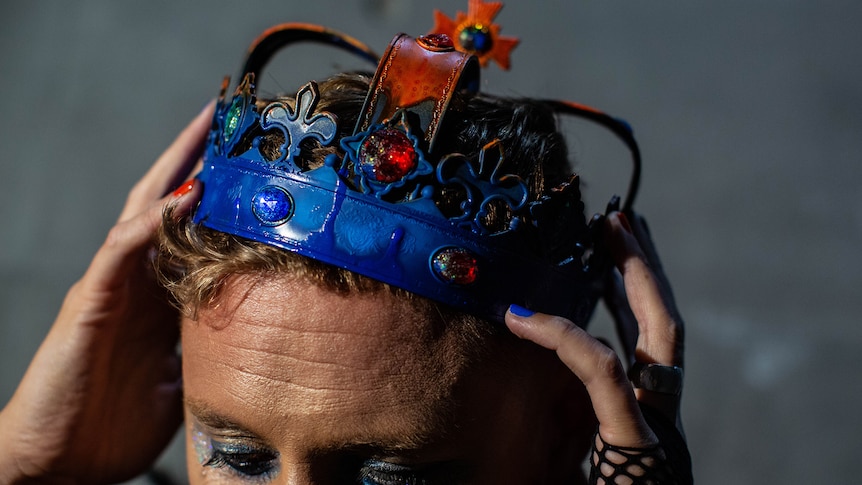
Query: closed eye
[(243, 460), (378, 472)]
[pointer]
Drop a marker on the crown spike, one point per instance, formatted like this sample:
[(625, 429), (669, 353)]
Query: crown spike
[(480, 10), (299, 124)]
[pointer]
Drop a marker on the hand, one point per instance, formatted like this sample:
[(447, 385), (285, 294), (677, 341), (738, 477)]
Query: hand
[(652, 331), (102, 397)]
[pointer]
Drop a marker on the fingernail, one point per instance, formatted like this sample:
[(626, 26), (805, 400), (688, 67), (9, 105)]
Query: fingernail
[(184, 189), (624, 221), (520, 311)]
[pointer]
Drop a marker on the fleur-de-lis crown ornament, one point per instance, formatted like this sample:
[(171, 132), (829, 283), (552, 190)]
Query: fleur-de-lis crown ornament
[(371, 207)]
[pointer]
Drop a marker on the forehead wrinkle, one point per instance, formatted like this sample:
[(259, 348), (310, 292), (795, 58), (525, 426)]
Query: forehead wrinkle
[(270, 296), (272, 378), (272, 353), (242, 371), (260, 325), (339, 417), (362, 370), (269, 353), (334, 385)]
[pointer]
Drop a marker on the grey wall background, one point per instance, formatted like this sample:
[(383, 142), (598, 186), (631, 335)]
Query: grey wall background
[(748, 112)]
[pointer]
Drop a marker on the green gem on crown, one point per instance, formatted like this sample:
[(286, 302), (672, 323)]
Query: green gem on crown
[(232, 119)]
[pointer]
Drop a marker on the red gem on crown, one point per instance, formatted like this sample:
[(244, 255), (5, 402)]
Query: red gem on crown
[(436, 42), (387, 155), (455, 265)]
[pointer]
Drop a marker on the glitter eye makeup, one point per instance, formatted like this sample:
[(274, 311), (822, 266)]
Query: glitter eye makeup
[(202, 445), (377, 472), (248, 462), (243, 460)]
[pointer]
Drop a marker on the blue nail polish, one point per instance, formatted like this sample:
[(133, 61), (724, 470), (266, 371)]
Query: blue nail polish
[(520, 311)]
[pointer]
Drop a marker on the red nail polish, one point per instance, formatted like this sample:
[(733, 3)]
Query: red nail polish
[(184, 189), (624, 222)]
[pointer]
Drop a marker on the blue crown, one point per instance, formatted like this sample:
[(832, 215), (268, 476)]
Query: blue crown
[(374, 208)]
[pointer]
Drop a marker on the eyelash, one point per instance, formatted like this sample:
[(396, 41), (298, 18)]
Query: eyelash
[(376, 472), (244, 461), (261, 465), (372, 472)]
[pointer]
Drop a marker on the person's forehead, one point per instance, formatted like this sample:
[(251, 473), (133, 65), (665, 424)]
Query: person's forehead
[(279, 354)]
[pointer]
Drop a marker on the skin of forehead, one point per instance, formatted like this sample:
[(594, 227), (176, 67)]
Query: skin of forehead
[(293, 350), (306, 370)]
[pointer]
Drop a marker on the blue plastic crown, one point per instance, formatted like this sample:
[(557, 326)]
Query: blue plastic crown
[(372, 210)]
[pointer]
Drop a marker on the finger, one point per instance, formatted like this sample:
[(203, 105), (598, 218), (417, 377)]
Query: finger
[(659, 340), (642, 234), (597, 366), (121, 253), (625, 322), (172, 167)]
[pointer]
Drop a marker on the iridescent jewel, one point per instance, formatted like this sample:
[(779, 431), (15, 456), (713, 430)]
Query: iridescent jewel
[(272, 205), (231, 122), (387, 156), (476, 38), (455, 265), (436, 42)]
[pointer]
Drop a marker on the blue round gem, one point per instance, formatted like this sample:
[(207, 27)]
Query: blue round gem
[(476, 38), (272, 205)]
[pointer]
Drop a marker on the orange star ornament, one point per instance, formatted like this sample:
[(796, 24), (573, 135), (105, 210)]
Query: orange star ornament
[(476, 33)]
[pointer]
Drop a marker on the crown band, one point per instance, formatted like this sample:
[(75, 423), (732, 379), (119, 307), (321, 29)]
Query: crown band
[(404, 246)]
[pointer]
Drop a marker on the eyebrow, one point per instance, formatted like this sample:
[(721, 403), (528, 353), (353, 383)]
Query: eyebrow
[(211, 418), (207, 416)]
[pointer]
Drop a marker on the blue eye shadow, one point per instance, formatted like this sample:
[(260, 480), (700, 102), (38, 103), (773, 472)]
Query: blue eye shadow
[(202, 444)]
